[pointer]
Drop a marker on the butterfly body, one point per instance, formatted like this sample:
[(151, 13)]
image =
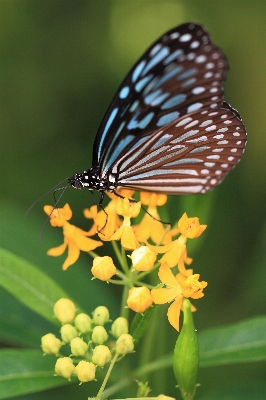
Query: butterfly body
[(168, 129)]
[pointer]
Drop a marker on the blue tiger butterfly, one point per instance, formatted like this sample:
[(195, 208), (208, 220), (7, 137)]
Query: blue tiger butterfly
[(168, 129)]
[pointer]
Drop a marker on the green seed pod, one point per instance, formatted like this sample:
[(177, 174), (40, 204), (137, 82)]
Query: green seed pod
[(186, 356)]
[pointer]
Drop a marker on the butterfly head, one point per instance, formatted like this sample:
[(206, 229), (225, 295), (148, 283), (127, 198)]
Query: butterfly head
[(91, 180)]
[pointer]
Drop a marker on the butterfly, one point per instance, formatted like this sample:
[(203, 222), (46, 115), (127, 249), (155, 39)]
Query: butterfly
[(167, 129)]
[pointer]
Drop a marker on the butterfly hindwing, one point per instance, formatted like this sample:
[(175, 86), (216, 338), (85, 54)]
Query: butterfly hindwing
[(190, 155)]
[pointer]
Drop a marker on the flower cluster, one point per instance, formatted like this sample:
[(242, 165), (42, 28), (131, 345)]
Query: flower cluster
[(150, 244), (86, 341)]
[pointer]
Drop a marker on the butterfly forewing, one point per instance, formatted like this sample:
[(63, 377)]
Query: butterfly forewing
[(190, 155), (180, 73)]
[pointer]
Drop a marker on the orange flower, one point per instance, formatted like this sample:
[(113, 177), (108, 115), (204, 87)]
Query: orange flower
[(150, 225), (178, 288), (74, 238), (128, 210), (175, 253), (190, 227)]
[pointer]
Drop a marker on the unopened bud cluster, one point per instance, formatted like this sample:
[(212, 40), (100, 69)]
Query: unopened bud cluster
[(84, 341)]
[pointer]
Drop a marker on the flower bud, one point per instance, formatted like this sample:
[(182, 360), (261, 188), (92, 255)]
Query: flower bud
[(64, 367), (139, 299), (99, 335), (119, 326), (78, 347), (68, 332), (101, 355), (103, 268), (100, 315), (51, 344), (85, 371), (143, 259), (186, 355), (124, 344), (83, 323), (163, 397), (65, 310)]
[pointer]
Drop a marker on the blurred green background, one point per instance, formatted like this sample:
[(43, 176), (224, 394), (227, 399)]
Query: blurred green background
[(61, 63)]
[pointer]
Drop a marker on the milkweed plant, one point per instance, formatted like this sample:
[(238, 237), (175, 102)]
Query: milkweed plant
[(91, 342), (109, 353)]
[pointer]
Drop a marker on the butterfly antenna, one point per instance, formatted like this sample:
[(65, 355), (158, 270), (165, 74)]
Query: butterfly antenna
[(156, 219), (42, 197), (54, 207)]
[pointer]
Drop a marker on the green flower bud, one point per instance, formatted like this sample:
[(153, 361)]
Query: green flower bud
[(186, 355), (78, 347), (64, 367), (119, 326), (85, 371), (101, 355), (100, 315), (68, 332), (50, 344), (83, 323), (65, 310), (99, 335), (124, 344)]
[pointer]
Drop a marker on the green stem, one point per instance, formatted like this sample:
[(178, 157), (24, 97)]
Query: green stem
[(124, 312), (164, 362), (98, 397), (118, 253), (93, 254)]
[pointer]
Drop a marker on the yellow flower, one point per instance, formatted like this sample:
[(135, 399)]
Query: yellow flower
[(143, 259), (128, 210), (74, 238), (149, 226), (178, 288), (175, 253), (106, 221), (103, 268), (139, 299), (190, 227)]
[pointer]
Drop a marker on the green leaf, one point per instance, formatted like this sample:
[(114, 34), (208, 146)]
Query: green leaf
[(140, 323), (26, 371), (31, 286), (238, 343), (20, 326)]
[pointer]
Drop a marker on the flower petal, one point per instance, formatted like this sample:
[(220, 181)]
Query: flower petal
[(163, 295), (57, 251), (173, 313), (167, 277), (73, 254)]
